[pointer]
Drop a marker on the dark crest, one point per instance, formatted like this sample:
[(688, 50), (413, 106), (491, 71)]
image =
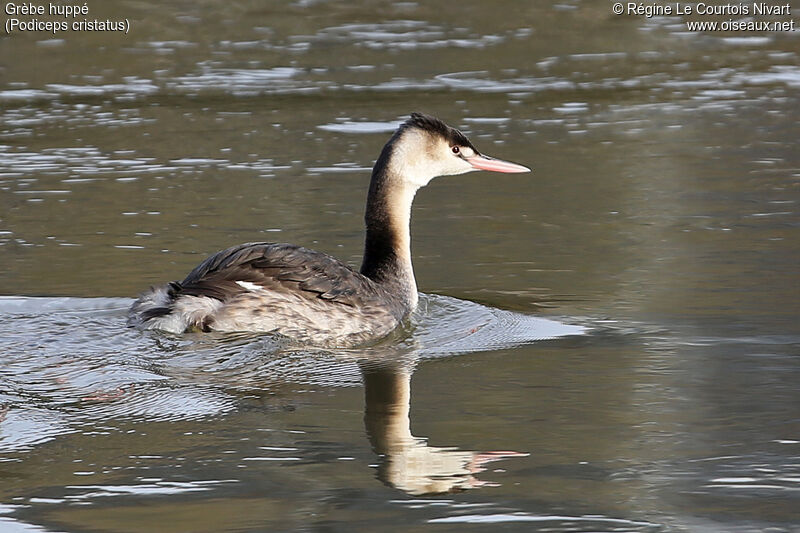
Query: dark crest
[(436, 127)]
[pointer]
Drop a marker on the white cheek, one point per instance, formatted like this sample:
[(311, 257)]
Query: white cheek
[(459, 166), (415, 172), (449, 165)]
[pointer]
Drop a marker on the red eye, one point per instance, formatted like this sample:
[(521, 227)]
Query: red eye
[(455, 149)]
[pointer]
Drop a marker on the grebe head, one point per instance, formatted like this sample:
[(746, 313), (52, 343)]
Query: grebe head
[(424, 147)]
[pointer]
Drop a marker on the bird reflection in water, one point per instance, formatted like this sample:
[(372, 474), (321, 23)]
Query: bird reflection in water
[(407, 462)]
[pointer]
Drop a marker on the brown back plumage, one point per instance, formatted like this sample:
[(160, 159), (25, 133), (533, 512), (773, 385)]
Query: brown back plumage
[(276, 266)]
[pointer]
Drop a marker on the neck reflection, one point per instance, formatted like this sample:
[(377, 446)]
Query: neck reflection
[(407, 462)]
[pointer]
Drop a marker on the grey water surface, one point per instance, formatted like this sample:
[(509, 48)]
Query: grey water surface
[(610, 343)]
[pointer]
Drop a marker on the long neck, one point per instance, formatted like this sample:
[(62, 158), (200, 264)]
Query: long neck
[(387, 249)]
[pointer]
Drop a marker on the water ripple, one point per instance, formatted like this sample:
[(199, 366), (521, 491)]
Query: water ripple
[(83, 493), (71, 361), (400, 35), (88, 163), (585, 521)]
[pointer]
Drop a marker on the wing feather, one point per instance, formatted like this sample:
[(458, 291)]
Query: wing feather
[(277, 267)]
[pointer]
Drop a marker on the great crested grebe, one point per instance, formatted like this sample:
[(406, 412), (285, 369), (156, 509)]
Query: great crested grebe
[(309, 296)]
